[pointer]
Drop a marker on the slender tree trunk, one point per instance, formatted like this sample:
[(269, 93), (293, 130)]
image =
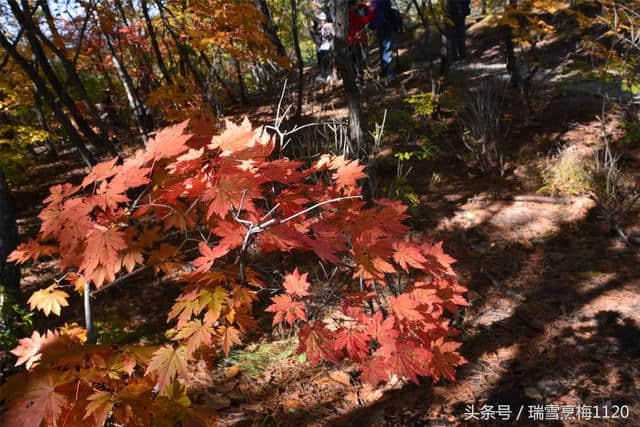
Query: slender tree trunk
[(88, 315), (348, 72), (483, 5), (139, 55), (300, 64), (42, 121), (510, 56), (154, 42), (423, 19), (444, 43), (269, 28), (9, 271), (243, 92), (134, 102)]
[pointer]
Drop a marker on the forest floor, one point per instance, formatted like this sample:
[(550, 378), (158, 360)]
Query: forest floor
[(555, 294)]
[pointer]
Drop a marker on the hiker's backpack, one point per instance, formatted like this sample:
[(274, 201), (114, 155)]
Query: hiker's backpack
[(395, 19)]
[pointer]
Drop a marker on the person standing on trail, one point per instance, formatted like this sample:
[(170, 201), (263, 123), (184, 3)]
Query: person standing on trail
[(382, 23), (458, 10), (360, 15), (324, 41)]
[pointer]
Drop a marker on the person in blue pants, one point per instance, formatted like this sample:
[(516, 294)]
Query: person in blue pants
[(382, 24), (458, 11)]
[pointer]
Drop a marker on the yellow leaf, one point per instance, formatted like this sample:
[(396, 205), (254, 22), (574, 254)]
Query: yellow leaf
[(49, 300), (78, 282), (74, 330), (169, 363), (232, 371)]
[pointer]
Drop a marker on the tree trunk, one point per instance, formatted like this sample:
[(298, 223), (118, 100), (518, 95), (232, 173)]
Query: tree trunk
[(154, 42), (444, 44), (134, 102), (423, 20), (483, 5), (510, 56), (300, 64), (269, 28), (42, 121), (9, 271), (243, 91), (348, 72)]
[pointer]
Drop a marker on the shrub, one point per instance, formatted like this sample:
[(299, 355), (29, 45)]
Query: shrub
[(224, 196), (566, 174), (483, 125)]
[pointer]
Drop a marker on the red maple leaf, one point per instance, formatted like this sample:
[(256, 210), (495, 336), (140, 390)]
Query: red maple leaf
[(209, 256), (282, 237), (296, 283), (409, 360), (229, 336), (232, 191), (28, 350), (230, 233), (374, 370), (282, 170), (354, 342), (109, 195), (381, 329), (371, 258), (131, 176), (242, 140), (445, 359), (317, 342), (168, 362), (41, 403), (286, 308), (405, 308), (408, 254), (438, 260)]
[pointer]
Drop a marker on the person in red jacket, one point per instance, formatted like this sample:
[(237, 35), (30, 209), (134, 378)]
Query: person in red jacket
[(360, 15)]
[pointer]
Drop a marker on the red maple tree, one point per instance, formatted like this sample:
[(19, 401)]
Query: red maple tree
[(225, 197)]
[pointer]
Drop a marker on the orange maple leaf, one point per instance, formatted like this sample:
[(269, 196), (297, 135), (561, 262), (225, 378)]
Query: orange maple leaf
[(168, 142), (228, 337), (168, 362), (348, 172), (408, 254), (404, 307), (103, 249), (296, 283), (100, 172), (287, 309), (30, 250)]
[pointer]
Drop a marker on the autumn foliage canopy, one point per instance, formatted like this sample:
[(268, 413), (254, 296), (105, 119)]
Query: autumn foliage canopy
[(207, 210)]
